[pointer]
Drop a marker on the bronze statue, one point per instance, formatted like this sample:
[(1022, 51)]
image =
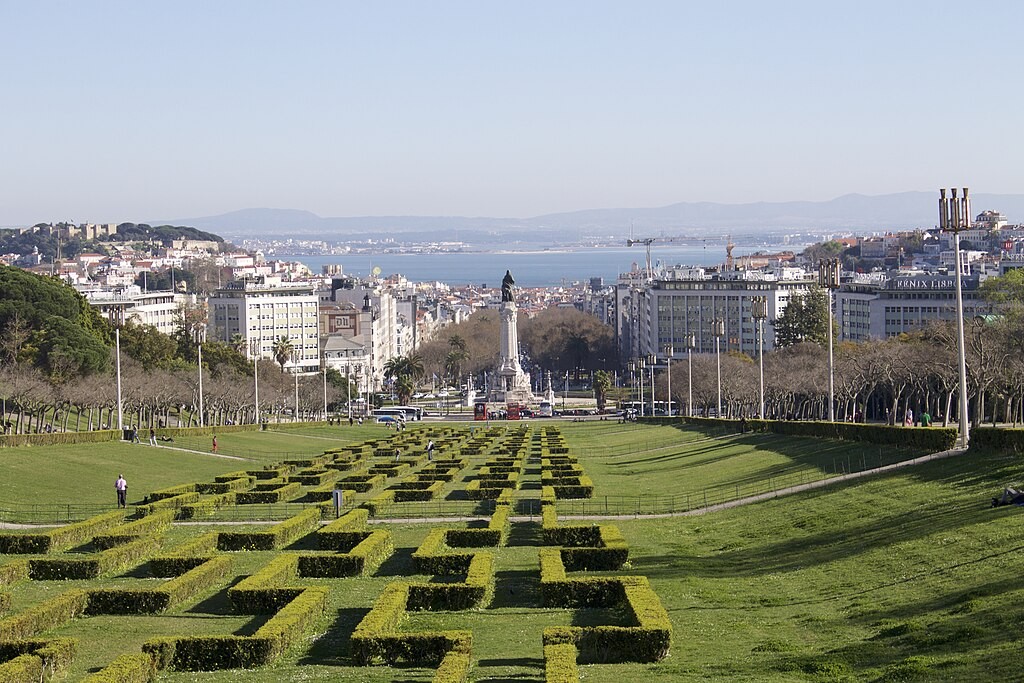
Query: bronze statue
[(507, 285)]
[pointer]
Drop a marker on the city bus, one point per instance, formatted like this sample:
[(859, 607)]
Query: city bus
[(396, 413), (411, 412), (545, 409)]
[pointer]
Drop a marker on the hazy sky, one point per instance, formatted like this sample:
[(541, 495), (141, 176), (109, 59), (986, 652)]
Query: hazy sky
[(133, 110)]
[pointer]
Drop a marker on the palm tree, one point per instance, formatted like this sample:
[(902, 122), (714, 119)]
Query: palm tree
[(410, 366), (282, 350), (238, 343)]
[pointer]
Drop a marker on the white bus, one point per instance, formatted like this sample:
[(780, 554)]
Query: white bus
[(545, 409), (396, 413), (411, 412)]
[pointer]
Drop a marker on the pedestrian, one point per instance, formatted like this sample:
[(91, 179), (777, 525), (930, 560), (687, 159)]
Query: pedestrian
[(135, 435), (926, 419), (214, 443), (121, 486), (152, 436), (398, 454), (350, 420), (908, 421), (430, 450)]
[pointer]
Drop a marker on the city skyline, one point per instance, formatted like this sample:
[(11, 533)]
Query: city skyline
[(124, 112)]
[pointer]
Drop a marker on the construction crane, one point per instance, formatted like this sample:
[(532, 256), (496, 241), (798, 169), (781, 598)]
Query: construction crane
[(647, 241)]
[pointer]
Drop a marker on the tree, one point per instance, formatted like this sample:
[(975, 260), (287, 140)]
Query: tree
[(804, 319), (602, 383), (282, 350)]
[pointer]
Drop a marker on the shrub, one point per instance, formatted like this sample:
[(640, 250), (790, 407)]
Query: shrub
[(454, 668), (54, 540), (133, 531), (12, 572), (5, 602), (183, 558), (264, 592), (174, 503), (363, 483), (44, 616), (472, 592), (277, 536), (560, 664), (280, 494), (998, 439), (338, 534), (207, 506), (172, 492), (152, 600), (27, 668), (363, 558), (127, 668), (59, 439), (94, 565), (220, 486)]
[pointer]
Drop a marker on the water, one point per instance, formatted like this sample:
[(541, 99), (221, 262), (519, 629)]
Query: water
[(530, 269)]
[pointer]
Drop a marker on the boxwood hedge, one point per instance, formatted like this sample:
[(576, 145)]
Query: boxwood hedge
[(54, 540)]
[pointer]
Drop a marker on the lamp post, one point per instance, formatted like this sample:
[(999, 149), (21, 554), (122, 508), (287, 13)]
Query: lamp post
[(325, 386), (116, 316), (641, 363), (719, 332), (955, 216), (652, 360), (669, 351), (199, 333), (254, 351), (295, 371), (759, 311), (691, 344), (828, 277)]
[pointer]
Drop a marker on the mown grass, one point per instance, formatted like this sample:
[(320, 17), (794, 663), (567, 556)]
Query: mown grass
[(909, 576)]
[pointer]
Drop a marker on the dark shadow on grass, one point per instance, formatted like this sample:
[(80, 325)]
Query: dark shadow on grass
[(399, 564), (308, 542), (333, 647), (524, 534), (457, 494), (534, 665), (516, 588), (254, 624), (218, 603)]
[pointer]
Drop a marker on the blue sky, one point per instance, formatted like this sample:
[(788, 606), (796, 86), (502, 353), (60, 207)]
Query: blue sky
[(118, 111)]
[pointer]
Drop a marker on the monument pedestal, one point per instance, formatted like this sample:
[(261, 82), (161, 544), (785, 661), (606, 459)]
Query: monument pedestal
[(511, 384)]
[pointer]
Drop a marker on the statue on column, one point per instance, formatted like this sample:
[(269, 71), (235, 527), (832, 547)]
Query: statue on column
[(507, 286)]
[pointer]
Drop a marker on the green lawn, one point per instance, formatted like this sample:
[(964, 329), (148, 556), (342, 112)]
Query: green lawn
[(909, 576)]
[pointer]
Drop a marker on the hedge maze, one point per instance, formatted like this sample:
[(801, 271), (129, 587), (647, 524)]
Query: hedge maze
[(290, 577)]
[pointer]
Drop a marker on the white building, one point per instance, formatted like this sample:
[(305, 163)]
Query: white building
[(264, 309), (663, 313), (150, 308)]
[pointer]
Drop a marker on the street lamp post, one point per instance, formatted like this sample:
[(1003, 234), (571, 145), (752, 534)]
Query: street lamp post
[(295, 371), (691, 344), (955, 216), (652, 360), (669, 351), (641, 363), (325, 387), (116, 315), (759, 311), (254, 351), (200, 337), (828, 278), (719, 332)]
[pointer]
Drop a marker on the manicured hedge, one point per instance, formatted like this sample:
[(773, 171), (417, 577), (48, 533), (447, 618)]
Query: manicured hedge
[(240, 483), (54, 540), (275, 537), (5, 602), (162, 597), (454, 668), (133, 531), (377, 638), (93, 565), (930, 438), (59, 439), (172, 492), (362, 559), (208, 653), (207, 506), (997, 439), (472, 592), (363, 483), (173, 503), (12, 572), (338, 534), (181, 559), (27, 668), (313, 478), (51, 657), (128, 668), (282, 493), (265, 592), (431, 558), (560, 664), (44, 616)]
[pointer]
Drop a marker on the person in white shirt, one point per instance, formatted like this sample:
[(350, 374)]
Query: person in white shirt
[(121, 486)]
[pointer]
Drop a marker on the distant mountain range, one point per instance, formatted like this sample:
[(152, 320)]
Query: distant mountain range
[(853, 212)]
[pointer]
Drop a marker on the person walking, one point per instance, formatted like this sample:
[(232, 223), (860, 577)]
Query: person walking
[(398, 454), (430, 450), (152, 436), (121, 486), (214, 443)]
